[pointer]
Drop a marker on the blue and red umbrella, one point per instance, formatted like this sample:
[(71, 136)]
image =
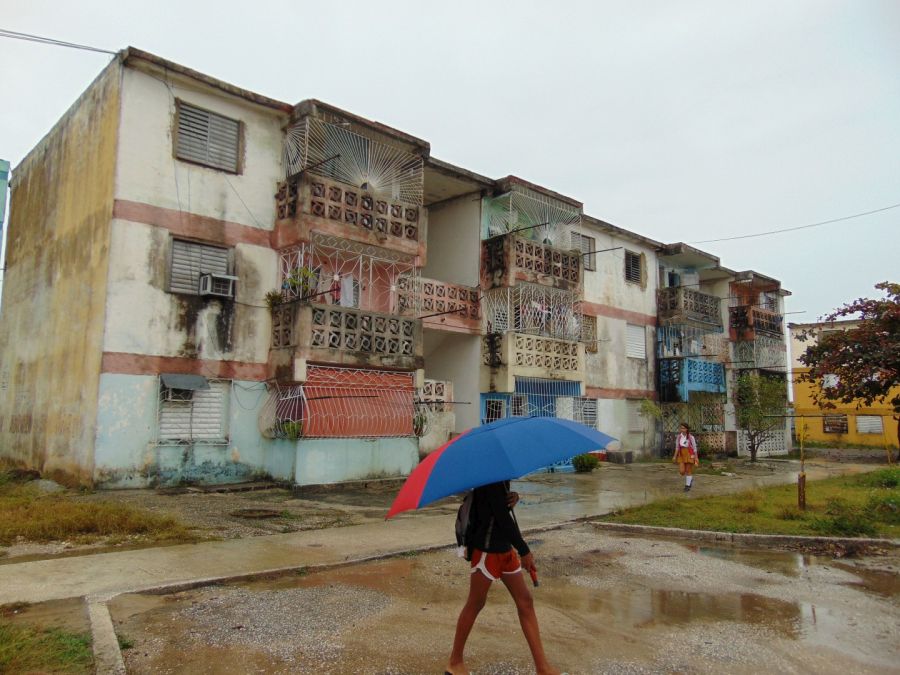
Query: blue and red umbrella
[(502, 450)]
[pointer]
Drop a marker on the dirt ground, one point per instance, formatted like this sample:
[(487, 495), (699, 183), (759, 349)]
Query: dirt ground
[(606, 603)]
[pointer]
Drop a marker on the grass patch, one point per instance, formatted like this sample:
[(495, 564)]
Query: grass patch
[(865, 505), (25, 649), (37, 517)]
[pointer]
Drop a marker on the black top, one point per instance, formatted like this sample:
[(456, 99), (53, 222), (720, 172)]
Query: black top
[(495, 529)]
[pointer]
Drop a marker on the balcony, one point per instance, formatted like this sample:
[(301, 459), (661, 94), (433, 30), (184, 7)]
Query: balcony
[(763, 353), (516, 355), (678, 378), (747, 321), (680, 341), (315, 203), (685, 305), (440, 305), (533, 309), (345, 336), (509, 259)]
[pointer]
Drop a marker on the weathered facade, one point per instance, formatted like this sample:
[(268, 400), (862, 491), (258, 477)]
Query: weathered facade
[(207, 285)]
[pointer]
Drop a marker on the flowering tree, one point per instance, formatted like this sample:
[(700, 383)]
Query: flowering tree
[(865, 360)]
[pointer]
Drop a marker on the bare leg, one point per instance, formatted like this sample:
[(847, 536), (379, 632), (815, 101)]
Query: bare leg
[(479, 585), (515, 584)]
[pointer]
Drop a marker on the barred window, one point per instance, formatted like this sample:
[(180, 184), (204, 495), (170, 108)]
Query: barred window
[(834, 424), (633, 268), (207, 138)]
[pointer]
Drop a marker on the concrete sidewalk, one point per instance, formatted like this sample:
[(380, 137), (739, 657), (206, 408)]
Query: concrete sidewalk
[(104, 575)]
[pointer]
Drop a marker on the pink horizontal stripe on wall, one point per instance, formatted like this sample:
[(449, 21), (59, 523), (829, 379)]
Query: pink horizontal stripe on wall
[(191, 225), (602, 392), (140, 364), (596, 309)]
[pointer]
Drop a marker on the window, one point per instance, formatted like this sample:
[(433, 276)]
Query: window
[(206, 138), (349, 295), (190, 260), (634, 268), (589, 333), (635, 417), (585, 411), (834, 424), (519, 405), (635, 341), (869, 424), (494, 409), (192, 408), (587, 245)]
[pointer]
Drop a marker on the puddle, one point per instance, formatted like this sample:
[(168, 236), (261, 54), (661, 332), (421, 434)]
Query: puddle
[(880, 582)]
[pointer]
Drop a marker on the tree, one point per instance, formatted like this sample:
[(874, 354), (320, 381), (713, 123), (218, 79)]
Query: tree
[(759, 407), (865, 360)]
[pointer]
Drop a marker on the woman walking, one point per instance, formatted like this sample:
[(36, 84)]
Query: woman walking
[(496, 546), (686, 454)]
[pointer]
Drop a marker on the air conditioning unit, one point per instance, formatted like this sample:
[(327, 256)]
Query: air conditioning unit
[(221, 285)]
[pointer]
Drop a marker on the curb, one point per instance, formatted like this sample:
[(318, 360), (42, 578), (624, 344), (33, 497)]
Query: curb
[(744, 538)]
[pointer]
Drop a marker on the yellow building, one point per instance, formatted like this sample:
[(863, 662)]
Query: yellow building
[(846, 423)]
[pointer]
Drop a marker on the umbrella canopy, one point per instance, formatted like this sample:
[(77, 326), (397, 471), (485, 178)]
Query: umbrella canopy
[(502, 450)]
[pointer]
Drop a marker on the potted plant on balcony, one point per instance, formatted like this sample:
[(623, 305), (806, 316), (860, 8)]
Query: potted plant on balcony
[(292, 429)]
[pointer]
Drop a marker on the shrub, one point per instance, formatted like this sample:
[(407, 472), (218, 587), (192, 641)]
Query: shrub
[(883, 478), (884, 508), (844, 521), (789, 513), (585, 463)]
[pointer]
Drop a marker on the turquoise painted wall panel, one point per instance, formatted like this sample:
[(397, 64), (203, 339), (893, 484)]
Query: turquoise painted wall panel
[(332, 460)]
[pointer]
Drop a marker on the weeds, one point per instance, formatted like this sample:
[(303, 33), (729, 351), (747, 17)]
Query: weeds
[(25, 649), (31, 515)]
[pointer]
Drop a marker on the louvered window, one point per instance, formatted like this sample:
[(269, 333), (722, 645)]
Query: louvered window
[(633, 267), (518, 405), (587, 245), (194, 415), (869, 424), (635, 417), (585, 411), (635, 341), (190, 260), (207, 138)]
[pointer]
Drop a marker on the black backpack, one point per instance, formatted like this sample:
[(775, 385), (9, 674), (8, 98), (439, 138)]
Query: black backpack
[(464, 526)]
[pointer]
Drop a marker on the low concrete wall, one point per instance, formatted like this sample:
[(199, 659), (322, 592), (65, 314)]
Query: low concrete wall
[(333, 460)]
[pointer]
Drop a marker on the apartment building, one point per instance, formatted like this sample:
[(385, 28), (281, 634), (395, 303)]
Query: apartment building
[(207, 285)]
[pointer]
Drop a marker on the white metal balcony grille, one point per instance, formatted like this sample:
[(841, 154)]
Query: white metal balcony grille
[(538, 216)]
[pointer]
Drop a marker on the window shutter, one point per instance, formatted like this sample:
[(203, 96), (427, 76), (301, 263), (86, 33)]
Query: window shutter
[(635, 418), (585, 245), (635, 341), (633, 267), (869, 424), (207, 138), (202, 417), (586, 411), (589, 333), (190, 260)]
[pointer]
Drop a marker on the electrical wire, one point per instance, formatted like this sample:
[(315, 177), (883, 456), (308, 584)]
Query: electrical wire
[(15, 35), (799, 227)]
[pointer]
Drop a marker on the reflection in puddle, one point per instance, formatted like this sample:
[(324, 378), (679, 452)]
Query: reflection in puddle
[(784, 562), (880, 582), (660, 607)]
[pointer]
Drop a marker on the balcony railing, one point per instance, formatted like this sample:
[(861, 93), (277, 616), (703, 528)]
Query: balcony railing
[(690, 341), (347, 335), (764, 352), (686, 304), (348, 206), (508, 258), (679, 377), (748, 320), (439, 304)]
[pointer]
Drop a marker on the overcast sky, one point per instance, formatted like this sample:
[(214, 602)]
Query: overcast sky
[(683, 121)]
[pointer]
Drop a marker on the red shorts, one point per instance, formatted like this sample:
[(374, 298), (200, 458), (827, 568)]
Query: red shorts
[(492, 565)]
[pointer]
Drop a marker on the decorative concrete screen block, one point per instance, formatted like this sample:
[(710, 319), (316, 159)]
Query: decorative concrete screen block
[(437, 297), (437, 395), (350, 329), (534, 257), (685, 304), (533, 351), (283, 325), (763, 352), (704, 375)]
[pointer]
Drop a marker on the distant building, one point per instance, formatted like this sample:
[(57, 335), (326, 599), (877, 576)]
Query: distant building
[(846, 423), (207, 285)]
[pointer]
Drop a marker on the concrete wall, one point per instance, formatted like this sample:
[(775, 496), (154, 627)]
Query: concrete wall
[(457, 358), (454, 247), (332, 460), (127, 453), (55, 285)]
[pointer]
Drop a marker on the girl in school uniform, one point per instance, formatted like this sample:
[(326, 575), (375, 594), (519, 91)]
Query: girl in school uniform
[(686, 455)]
